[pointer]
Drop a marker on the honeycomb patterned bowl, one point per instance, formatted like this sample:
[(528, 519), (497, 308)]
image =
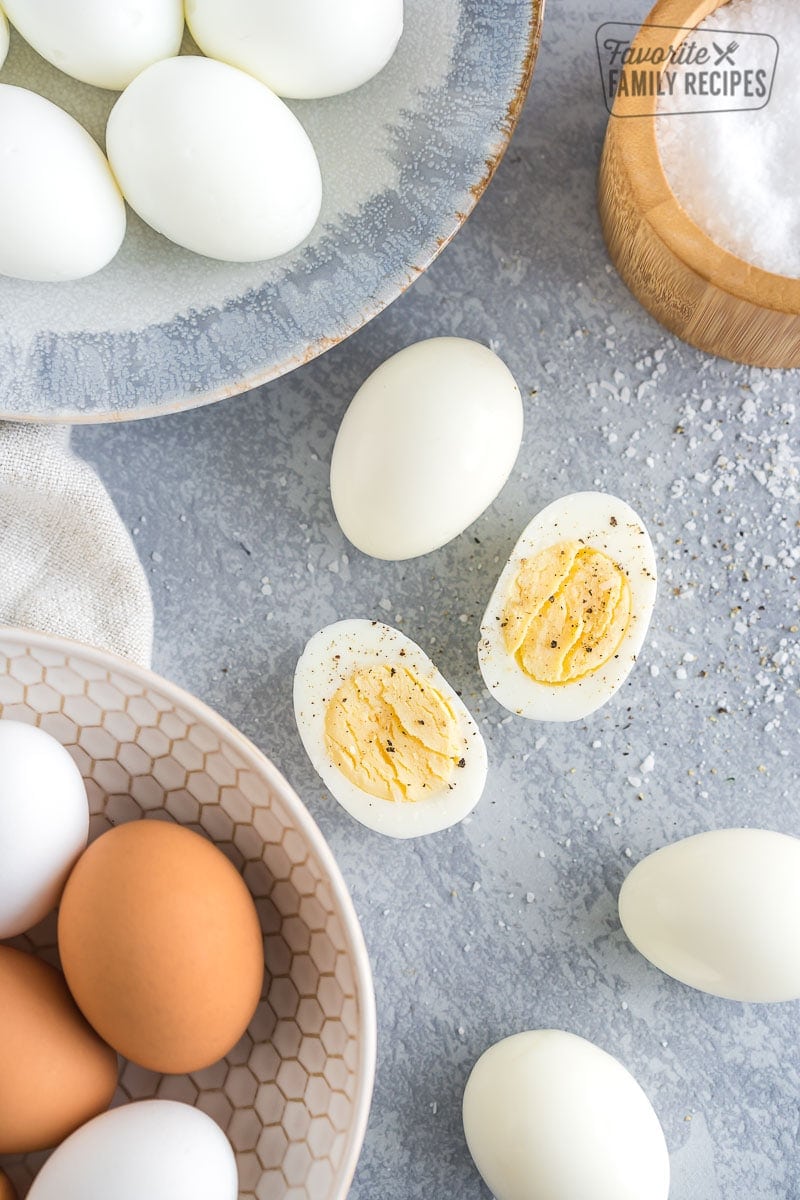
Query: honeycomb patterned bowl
[(293, 1096)]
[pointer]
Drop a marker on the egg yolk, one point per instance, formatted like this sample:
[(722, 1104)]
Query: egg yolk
[(392, 735), (567, 613)]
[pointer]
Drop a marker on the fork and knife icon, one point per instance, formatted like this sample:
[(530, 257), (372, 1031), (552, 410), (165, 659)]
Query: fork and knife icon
[(725, 55)]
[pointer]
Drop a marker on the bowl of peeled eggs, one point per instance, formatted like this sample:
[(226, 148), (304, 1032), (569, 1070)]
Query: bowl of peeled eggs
[(187, 1002), (224, 190)]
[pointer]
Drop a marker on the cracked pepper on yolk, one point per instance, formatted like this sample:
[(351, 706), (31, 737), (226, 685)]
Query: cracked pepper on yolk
[(392, 735), (567, 613)]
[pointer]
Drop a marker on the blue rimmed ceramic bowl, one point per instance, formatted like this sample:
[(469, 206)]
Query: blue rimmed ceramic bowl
[(404, 160)]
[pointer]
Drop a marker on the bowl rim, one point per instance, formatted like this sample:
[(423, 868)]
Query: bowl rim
[(367, 1020), (449, 226), (656, 203)]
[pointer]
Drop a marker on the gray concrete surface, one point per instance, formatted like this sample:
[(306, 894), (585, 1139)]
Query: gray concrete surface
[(509, 921)]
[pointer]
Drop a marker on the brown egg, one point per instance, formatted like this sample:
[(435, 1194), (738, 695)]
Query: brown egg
[(55, 1073), (6, 1188), (161, 945)]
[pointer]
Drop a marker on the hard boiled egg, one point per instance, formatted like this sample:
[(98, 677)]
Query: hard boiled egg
[(719, 911), (97, 42), (213, 159), (44, 824), (570, 611), (55, 1072), (391, 739), (303, 49), (549, 1116), (61, 213), (161, 945), (158, 1149), (426, 445)]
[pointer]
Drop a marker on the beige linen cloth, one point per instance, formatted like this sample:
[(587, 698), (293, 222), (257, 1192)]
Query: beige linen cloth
[(67, 562)]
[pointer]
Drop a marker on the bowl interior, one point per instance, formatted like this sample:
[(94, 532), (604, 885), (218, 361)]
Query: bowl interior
[(293, 1095)]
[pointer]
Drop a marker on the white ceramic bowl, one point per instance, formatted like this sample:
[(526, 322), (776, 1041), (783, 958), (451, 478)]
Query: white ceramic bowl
[(294, 1094)]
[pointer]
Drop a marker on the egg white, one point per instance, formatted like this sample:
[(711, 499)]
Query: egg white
[(606, 524), (329, 659)]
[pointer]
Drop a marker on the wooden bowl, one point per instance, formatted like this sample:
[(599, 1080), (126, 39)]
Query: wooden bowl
[(705, 295)]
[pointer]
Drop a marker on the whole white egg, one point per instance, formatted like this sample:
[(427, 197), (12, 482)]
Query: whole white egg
[(426, 445), (550, 1116), (212, 159), (44, 824), (153, 1149), (719, 911), (4, 39), (570, 611), (106, 44), (61, 212), (390, 738), (302, 49)]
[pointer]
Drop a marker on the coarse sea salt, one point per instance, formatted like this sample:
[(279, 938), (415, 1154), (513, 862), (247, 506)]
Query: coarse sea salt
[(737, 174)]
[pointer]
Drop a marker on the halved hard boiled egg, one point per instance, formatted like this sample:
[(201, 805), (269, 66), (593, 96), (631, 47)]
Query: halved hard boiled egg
[(386, 732), (570, 611)]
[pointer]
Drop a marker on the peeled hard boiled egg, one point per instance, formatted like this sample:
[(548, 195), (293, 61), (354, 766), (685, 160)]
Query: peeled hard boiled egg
[(44, 824), (303, 49), (97, 42), (426, 445), (570, 611), (391, 739), (151, 1150), (212, 159), (719, 911), (55, 1072), (61, 213), (550, 1116)]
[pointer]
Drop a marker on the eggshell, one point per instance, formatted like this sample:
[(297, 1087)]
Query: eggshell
[(305, 49), (44, 824), (97, 42), (213, 159), (151, 1150), (719, 911), (6, 1188), (550, 1116), (55, 1072), (4, 41), (61, 212), (161, 945), (426, 445)]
